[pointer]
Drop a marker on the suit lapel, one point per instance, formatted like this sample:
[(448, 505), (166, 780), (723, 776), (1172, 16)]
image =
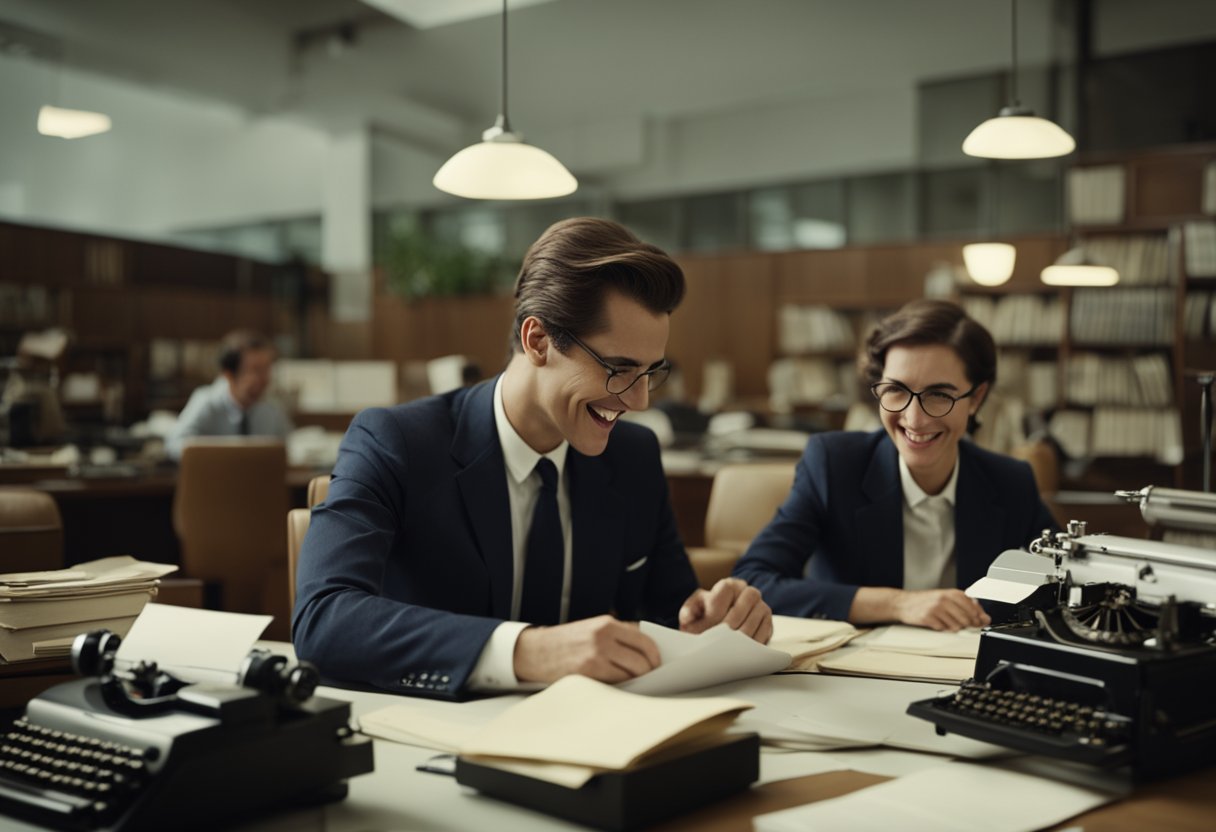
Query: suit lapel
[(482, 480), (977, 520), (598, 523), (879, 523)]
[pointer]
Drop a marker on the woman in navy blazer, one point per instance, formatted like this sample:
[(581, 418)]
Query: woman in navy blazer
[(892, 525)]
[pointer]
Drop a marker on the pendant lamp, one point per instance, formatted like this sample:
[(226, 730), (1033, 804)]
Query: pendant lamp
[(1075, 268), (502, 165), (71, 124), (989, 264), (1016, 132)]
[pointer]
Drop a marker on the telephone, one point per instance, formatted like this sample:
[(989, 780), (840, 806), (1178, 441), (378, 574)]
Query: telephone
[(140, 749)]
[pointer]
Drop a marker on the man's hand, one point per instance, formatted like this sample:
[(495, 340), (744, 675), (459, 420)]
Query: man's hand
[(601, 648), (733, 601), (940, 609)]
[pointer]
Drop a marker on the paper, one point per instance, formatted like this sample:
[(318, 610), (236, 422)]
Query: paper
[(717, 655), (994, 589), (195, 645), (578, 721), (83, 579), (805, 637), (956, 797), (964, 644), (416, 726), (892, 665)]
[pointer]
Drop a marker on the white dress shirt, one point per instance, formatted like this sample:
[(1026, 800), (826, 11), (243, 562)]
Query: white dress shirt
[(495, 669), (928, 533), (212, 411)]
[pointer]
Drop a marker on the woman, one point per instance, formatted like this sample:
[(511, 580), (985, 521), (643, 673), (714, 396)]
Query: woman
[(894, 523)]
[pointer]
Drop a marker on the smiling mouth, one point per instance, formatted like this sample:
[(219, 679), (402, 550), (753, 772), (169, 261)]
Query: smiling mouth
[(919, 438), (602, 416)]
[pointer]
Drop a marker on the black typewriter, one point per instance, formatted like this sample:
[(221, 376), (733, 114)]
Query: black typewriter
[(1117, 666), (142, 750)]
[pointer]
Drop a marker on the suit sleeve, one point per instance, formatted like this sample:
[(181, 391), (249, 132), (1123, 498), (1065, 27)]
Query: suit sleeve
[(341, 622), (775, 563)]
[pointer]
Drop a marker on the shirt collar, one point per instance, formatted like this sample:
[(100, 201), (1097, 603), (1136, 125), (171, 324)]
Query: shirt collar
[(915, 495), (518, 455)]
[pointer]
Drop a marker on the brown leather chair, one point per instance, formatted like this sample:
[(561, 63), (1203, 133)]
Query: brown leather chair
[(228, 507), (297, 527), (744, 497), (31, 531)]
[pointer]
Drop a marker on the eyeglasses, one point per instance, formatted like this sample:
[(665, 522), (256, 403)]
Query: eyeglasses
[(895, 398), (620, 379)]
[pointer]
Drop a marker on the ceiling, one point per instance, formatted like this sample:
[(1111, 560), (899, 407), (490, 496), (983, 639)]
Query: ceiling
[(337, 63)]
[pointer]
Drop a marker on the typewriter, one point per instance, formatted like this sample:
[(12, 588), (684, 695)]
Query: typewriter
[(139, 749), (1112, 658)]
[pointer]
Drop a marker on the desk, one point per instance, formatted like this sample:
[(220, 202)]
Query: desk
[(396, 797), (130, 516)]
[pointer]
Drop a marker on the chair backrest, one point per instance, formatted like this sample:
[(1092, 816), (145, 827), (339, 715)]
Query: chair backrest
[(318, 490), (228, 512), (1043, 463), (31, 531), (297, 527), (744, 497)]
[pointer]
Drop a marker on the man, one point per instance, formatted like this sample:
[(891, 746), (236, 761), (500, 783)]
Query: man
[(456, 523), (234, 404)]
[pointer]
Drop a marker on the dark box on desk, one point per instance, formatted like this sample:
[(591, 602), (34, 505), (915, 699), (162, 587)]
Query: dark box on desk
[(625, 800)]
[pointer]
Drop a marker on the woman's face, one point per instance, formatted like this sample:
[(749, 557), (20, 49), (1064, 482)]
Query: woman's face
[(929, 444)]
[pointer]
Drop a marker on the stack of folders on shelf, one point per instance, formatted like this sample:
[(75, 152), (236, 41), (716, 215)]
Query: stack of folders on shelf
[(794, 381), (1200, 317), (1095, 195), (1200, 247), (1141, 259), (1019, 320), (1031, 382), (1140, 317), (41, 613), (803, 329), (1142, 381)]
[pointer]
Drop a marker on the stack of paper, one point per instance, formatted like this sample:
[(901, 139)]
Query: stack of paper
[(911, 653), (42, 612), (808, 639), (577, 728)]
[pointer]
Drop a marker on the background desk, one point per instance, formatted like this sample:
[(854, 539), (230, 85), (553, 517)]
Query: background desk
[(130, 515)]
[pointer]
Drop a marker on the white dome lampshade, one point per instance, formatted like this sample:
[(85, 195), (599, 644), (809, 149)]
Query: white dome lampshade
[(1074, 268), (1017, 133), (71, 124), (989, 264), (503, 166)]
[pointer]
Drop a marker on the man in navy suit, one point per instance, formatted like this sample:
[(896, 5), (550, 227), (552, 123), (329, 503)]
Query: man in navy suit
[(507, 533), (896, 523)]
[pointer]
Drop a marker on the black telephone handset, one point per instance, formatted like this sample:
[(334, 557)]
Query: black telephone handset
[(139, 748)]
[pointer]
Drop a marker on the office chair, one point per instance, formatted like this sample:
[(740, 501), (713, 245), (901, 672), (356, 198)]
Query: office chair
[(743, 498), (228, 507), (297, 527), (1043, 463), (31, 531)]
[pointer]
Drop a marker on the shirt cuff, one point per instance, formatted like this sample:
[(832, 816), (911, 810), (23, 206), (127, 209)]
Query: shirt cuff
[(495, 669)]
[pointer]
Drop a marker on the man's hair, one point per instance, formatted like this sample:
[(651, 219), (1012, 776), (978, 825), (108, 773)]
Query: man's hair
[(572, 266), (237, 343), (924, 322)]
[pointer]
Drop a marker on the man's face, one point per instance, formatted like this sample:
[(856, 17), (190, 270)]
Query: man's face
[(248, 384), (928, 444), (573, 401)]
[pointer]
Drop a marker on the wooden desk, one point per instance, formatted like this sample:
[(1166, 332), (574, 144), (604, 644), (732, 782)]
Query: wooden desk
[(130, 516)]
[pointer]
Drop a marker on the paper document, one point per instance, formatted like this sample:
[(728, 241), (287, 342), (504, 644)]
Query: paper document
[(956, 797), (717, 655), (995, 589), (893, 665), (805, 638), (964, 644), (577, 721), (194, 645), (83, 579)]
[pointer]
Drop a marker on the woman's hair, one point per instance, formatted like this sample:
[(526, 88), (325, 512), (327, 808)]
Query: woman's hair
[(568, 271)]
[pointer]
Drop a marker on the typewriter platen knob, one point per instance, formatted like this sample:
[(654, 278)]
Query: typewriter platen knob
[(93, 652)]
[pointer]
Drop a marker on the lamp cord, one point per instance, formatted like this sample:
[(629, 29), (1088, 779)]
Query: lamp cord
[(506, 124), (1013, 78)]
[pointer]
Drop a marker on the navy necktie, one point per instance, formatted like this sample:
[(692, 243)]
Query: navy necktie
[(541, 601), (244, 425)]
